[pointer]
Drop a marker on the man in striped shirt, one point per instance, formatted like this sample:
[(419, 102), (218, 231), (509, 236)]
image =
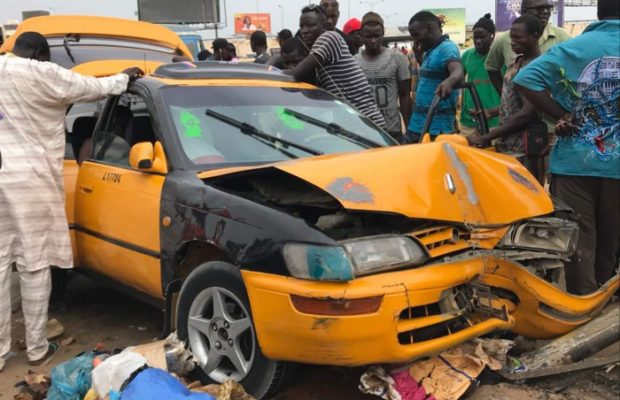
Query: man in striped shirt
[(335, 68)]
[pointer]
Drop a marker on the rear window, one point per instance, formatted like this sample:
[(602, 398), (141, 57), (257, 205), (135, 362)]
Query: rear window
[(75, 51)]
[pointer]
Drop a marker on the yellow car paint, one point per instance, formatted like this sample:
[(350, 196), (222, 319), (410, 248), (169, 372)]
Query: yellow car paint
[(373, 338), (60, 25)]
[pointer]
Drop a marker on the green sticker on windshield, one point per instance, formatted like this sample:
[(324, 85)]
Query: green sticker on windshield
[(289, 120), (191, 125)]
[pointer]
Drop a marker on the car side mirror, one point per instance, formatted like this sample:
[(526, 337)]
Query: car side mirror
[(145, 156)]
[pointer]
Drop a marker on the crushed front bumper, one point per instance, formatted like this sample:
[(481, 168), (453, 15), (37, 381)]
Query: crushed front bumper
[(423, 311)]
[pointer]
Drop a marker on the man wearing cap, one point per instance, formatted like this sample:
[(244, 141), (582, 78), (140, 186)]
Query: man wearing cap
[(501, 55), (353, 29), (388, 74), (473, 62), (332, 14)]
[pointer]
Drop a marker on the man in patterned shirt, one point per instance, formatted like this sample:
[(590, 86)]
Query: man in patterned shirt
[(388, 74), (335, 68)]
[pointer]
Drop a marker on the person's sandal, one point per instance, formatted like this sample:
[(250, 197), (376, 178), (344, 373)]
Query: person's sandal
[(52, 349)]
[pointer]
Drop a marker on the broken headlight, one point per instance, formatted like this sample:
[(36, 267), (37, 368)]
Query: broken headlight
[(543, 234), (324, 263), (354, 258), (383, 253)]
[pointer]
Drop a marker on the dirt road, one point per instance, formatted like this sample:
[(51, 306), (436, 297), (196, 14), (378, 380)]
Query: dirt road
[(97, 314)]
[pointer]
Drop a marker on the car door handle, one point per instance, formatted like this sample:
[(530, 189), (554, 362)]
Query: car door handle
[(86, 189)]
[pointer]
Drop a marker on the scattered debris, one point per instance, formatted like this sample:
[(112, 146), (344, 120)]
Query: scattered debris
[(446, 376), (229, 390), (157, 384), (111, 374), (34, 387), (398, 386), (565, 354), (168, 354), (71, 380)]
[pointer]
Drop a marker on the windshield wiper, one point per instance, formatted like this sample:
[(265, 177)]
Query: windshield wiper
[(334, 129), (263, 137), (65, 44)]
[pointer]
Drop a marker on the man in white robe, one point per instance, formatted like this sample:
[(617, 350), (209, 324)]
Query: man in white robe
[(34, 235)]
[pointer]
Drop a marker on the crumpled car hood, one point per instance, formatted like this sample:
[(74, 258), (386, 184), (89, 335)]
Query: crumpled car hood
[(439, 181)]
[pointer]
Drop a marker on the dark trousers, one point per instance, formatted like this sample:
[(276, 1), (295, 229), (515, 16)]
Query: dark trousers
[(596, 201)]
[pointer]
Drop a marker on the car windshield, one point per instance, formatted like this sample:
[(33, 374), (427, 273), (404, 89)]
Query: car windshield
[(218, 125), (73, 51)]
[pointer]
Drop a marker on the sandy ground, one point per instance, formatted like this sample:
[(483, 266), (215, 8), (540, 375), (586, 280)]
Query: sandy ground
[(97, 314)]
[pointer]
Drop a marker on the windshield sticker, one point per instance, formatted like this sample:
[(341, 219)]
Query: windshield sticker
[(1, 116), (517, 177), (290, 121), (349, 190), (191, 125)]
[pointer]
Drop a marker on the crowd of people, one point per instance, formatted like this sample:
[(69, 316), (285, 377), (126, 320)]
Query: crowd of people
[(551, 101), (541, 91)]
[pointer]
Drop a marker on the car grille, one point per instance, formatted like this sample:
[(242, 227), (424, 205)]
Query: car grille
[(427, 322), (442, 240)]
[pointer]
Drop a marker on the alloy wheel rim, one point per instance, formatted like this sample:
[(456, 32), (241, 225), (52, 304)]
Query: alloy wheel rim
[(221, 334)]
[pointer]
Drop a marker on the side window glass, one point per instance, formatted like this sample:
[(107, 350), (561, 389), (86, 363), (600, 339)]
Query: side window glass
[(79, 127), (128, 123)]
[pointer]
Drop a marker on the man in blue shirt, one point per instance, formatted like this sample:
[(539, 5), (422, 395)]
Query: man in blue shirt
[(440, 71), (583, 76)]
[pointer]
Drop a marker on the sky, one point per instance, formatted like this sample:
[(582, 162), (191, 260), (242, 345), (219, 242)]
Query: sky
[(395, 12)]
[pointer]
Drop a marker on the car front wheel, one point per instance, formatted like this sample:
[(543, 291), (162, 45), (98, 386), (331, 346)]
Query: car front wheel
[(215, 320)]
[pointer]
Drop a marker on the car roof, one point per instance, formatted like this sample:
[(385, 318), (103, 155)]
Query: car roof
[(185, 71), (61, 25)]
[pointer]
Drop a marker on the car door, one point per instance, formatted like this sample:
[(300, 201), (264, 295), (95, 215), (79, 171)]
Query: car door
[(117, 208)]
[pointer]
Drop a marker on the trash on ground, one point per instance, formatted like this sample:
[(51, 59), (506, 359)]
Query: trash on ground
[(569, 352), (71, 380), (168, 354), (399, 386), (446, 376), (34, 387), (229, 390), (111, 374), (157, 384)]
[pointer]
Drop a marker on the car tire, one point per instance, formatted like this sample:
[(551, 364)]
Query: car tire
[(226, 333)]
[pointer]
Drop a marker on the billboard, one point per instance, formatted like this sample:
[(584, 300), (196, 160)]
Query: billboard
[(179, 11), (249, 22), (453, 22), (507, 11)]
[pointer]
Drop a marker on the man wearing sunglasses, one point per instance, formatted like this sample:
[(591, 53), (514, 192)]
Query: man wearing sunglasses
[(335, 68), (501, 54)]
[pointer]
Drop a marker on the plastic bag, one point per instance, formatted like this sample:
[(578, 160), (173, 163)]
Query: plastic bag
[(157, 384), (114, 371), (71, 379)]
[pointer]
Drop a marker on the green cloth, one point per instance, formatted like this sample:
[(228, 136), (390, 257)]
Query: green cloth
[(501, 54), (478, 75)]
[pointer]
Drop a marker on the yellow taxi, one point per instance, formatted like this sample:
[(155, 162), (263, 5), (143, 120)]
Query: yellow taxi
[(287, 228)]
